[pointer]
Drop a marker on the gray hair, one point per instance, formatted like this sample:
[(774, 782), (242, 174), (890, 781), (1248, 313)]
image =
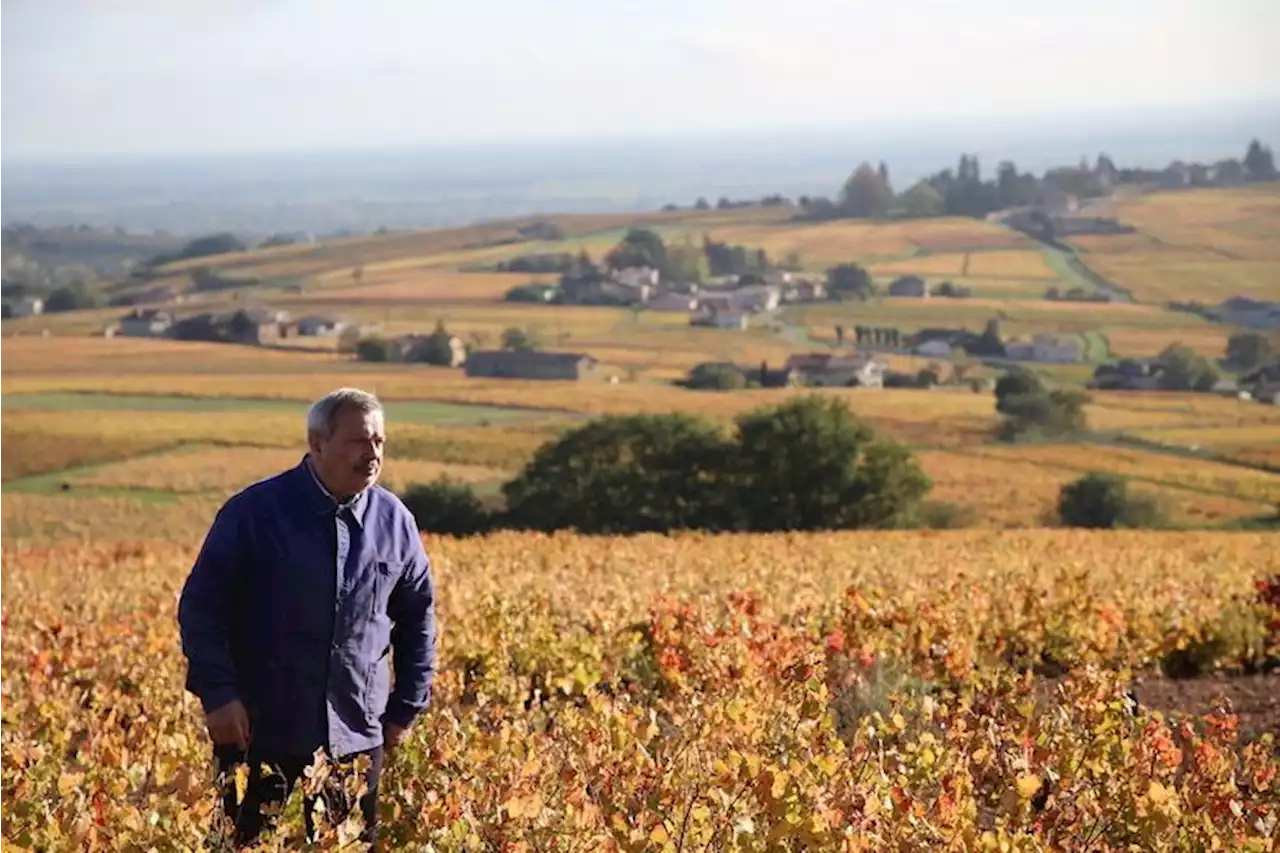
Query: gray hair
[(323, 417)]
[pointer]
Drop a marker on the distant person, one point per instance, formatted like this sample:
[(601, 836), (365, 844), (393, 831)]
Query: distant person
[(307, 582)]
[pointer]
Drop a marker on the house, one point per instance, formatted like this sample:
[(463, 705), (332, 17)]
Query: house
[(1020, 350), (719, 316), (754, 298), (1130, 374), (1060, 350), (909, 285), (804, 290), (258, 326), (830, 370), (1249, 312), (937, 342), (320, 325), (641, 280), (28, 306), (524, 364), (141, 323), (682, 302), (411, 347)]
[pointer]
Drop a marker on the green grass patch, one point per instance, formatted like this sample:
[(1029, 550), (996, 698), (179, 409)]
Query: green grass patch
[(405, 411)]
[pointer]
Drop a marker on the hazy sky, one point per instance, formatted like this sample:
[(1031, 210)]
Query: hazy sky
[(106, 76)]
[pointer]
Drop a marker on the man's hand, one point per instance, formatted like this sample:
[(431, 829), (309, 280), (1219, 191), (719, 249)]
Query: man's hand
[(392, 735), (229, 725)]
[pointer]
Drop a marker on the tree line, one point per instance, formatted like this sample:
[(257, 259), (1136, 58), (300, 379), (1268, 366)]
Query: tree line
[(868, 192)]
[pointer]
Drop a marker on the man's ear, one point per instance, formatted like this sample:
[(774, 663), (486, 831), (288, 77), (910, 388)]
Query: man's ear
[(313, 442)]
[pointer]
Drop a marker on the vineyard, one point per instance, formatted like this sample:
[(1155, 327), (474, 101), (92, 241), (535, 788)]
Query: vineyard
[(837, 692)]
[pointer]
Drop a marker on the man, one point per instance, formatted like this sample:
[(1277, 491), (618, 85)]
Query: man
[(307, 582)]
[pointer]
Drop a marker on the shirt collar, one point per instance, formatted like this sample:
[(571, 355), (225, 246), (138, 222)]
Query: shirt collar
[(323, 501)]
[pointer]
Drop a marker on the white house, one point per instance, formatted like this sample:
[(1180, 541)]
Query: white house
[(27, 306), (758, 297), (720, 318), (643, 280)]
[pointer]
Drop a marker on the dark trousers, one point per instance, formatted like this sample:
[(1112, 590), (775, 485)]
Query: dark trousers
[(273, 788)]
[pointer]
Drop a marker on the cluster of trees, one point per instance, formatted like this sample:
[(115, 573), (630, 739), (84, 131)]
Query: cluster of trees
[(437, 348), (726, 203), (868, 192), (202, 247), (1031, 410), (1248, 351), (75, 296), (583, 281), (806, 464)]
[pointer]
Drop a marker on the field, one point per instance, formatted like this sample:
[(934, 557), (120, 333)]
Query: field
[(1202, 245), (1007, 686), (844, 691)]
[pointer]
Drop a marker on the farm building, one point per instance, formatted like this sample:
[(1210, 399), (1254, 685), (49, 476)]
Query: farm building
[(909, 285), (720, 317), (838, 369), (141, 323), (27, 307), (514, 364), (320, 325)]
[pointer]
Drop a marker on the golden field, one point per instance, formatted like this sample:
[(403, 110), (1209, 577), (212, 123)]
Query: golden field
[(1202, 245), (852, 692)]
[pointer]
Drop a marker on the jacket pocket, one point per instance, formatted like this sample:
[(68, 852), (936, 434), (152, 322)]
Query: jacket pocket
[(377, 688)]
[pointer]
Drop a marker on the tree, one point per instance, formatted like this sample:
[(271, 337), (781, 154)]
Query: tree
[(1018, 382), (809, 464), (627, 474), (214, 244), (73, 297), (1247, 350), (1052, 414), (1104, 501), (865, 194), (989, 343), (849, 280), (921, 201), (1183, 370), (375, 349), (515, 338), (639, 248), (1259, 163), (715, 376), (447, 507), (532, 292), (685, 262), (437, 349)]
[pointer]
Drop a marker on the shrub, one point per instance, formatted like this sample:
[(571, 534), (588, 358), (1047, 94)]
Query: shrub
[(1104, 501), (447, 507), (941, 515), (715, 377), (625, 474), (1042, 414), (809, 464), (375, 349)]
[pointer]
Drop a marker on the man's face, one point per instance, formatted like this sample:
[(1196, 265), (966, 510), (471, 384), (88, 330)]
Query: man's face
[(350, 459)]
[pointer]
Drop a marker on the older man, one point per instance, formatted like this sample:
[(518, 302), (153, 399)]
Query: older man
[(306, 583)]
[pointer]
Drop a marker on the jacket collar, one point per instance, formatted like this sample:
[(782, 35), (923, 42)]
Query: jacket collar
[(320, 500)]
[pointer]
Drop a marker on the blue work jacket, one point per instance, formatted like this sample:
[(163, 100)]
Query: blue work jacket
[(269, 617)]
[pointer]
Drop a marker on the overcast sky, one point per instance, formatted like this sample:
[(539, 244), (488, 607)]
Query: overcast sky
[(175, 76)]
